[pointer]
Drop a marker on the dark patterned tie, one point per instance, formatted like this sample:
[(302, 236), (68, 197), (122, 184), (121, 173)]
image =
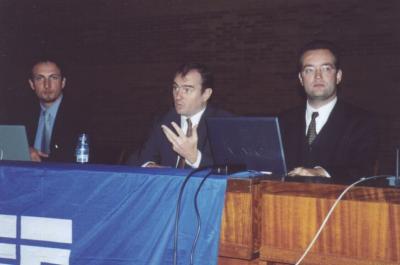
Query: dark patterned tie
[(181, 160), (312, 130)]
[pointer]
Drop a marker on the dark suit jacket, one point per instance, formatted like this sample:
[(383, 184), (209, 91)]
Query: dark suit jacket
[(67, 127), (346, 147), (158, 149)]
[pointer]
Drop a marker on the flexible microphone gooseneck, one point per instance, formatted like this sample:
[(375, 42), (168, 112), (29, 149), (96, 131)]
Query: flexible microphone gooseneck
[(178, 209), (216, 170), (196, 207)]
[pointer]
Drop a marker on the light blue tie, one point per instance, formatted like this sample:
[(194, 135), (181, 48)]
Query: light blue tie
[(46, 135)]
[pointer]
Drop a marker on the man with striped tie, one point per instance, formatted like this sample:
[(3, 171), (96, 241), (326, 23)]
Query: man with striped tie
[(179, 138), (327, 137)]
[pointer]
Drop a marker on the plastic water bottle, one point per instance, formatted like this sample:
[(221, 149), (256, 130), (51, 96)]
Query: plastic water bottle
[(82, 149)]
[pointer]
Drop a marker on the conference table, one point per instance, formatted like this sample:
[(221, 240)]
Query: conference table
[(272, 222), (96, 214), (107, 215)]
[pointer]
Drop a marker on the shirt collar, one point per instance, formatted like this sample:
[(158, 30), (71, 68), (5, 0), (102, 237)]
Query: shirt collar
[(195, 119), (324, 110), (323, 114), (54, 107)]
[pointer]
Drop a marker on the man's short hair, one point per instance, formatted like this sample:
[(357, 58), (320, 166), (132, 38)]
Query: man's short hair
[(46, 59), (319, 45), (206, 75)]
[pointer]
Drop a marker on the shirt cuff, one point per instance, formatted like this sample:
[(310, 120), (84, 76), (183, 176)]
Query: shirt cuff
[(326, 174), (196, 164), (147, 163)]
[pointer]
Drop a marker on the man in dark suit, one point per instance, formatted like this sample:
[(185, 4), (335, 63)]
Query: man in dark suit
[(53, 125), (179, 138), (328, 137)]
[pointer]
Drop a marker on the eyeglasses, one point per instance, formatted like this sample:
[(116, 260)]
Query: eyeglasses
[(323, 69), (41, 78), (186, 90)]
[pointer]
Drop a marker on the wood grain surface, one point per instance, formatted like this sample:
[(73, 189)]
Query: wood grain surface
[(240, 228), (363, 229)]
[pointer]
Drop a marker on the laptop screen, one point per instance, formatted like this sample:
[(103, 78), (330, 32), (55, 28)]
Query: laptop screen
[(13, 143), (254, 142)]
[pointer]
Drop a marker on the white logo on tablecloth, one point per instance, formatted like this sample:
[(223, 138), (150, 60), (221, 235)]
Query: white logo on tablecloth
[(34, 229)]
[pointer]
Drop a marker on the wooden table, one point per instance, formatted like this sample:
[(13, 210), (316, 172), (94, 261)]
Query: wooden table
[(240, 228), (363, 229)]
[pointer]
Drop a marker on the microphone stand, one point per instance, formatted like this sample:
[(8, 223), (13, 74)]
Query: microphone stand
[(397, 180), (394, 181)]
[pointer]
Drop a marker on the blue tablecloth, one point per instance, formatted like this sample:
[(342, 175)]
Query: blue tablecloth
[(91, 214)]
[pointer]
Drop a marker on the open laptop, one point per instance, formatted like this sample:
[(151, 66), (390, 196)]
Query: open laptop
[(251, 142), (14, 143)]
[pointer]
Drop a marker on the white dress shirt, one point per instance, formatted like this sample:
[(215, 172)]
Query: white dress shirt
[(195, 119), (323, 115), (320, 121)]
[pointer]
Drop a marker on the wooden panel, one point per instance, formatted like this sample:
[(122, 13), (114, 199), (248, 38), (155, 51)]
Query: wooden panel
[(364, 228), (240, 228), (233, 261)]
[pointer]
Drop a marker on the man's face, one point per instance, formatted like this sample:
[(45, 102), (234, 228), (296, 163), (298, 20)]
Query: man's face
[(188, 95), (319, 76), (47, 82)]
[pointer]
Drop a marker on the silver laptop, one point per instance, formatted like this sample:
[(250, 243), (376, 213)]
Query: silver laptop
[(14, 143)]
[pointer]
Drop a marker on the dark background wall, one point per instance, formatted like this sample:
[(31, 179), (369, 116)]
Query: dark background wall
[(121, 55)]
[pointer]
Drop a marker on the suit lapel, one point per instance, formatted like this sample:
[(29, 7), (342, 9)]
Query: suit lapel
[(301, 141), (202, 129), (331, 130), (201, 132), (59, 122), (170, 155)]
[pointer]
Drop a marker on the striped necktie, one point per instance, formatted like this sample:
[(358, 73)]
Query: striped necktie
[(312, 130), (181, 160)]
